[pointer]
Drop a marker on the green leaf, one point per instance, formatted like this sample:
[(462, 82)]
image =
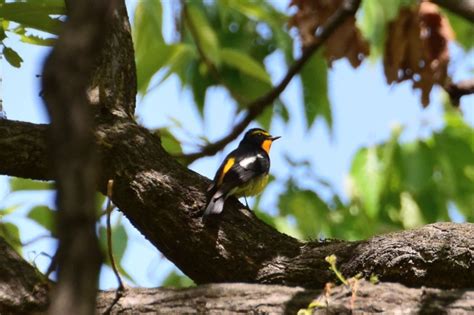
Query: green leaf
[(151, 51), (119, 242), (464, 30), (454, 151), (410, 213), (11, 234), (307, 208), (175, 280), (366, 173), (244, 63), (374, 21), (169, 141), (199, 85), (21, 184), (37, 40), (265, 118), (417, 166), (206, 36), (34, 14), (44, 216), (12, 57), (180, 58), (315, 90)]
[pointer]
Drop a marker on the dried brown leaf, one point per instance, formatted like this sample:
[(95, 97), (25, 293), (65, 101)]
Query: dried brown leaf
[(417, 48), (346, 41)]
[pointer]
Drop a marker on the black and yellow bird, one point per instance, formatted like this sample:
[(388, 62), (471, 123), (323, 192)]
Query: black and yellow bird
[(244, 171)]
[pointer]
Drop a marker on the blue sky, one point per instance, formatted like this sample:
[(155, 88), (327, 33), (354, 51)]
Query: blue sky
[(364, 108)]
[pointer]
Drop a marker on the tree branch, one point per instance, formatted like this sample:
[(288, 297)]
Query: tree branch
[(256, 107), (363, 297), (463, 8), (458, 90), (66, 76), (23, 290), (165, 200)]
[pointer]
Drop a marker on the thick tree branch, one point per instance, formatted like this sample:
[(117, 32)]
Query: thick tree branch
[(66, 76), (239, 298), (164, 200), (23, 150), (23, 290), (256, 107), (464, 8)]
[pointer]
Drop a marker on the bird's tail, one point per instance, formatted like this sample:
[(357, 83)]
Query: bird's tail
[(215, 204)]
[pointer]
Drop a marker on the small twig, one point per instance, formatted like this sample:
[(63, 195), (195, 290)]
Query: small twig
[(256, 107), (458, 90), (121, 288), (109, 209)]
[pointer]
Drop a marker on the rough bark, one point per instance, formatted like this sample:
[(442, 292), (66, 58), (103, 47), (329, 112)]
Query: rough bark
[(164, 200), (238, 298), (24, 290)]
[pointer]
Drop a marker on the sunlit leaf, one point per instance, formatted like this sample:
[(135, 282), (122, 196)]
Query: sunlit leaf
[(417, 166), (368, 178), (464, 30), (20, 184), (410, 213), (12, 57), (373, 22), (11, 234), (151, 51), (175, 280), (34, 14), (37, 40), (119, 241), (307, 208), (44, 216), (169, 141), (244, 63), (315, 90), (206, 36)]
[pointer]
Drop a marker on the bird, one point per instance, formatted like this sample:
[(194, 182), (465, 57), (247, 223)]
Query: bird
[(244, 171)]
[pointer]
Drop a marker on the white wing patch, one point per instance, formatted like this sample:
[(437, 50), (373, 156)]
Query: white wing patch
[(249, 160)]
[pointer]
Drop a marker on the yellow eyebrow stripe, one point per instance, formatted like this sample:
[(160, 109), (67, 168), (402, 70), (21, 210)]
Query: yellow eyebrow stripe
[(227, 167), (260, 132)]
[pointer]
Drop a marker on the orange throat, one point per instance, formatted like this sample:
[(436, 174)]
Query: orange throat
[(266, 145)]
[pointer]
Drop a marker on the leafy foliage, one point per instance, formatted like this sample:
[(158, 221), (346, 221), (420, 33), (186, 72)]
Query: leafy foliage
[(394, 186), (30, 20)]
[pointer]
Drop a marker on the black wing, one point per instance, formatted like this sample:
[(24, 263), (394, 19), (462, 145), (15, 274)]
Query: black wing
[(245, 168)]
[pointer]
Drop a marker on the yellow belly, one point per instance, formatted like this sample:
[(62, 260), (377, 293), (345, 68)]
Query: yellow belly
[(252, 188)]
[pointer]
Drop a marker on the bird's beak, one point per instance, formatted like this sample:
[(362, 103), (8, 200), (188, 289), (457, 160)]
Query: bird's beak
[(275, 138)]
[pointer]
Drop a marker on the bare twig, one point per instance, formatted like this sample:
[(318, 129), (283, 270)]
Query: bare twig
[(256, 107), (458, 90), (108, 209)]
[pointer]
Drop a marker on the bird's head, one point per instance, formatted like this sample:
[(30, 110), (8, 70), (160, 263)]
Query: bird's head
[(258, 137)]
